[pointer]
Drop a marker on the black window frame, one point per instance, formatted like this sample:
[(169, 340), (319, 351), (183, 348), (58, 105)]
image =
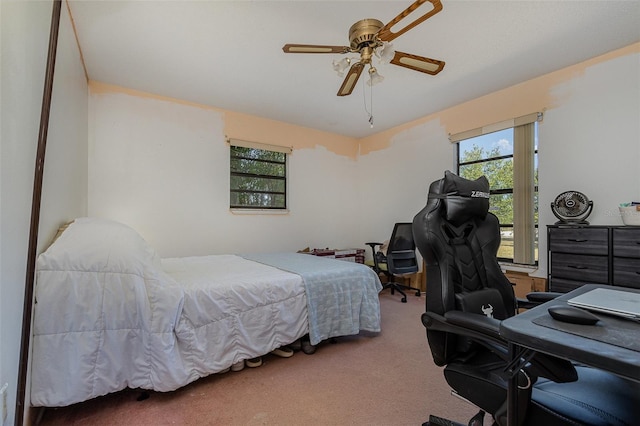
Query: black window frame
[(234, 154)]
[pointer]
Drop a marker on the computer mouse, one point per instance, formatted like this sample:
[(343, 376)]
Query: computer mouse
[(573, 315)]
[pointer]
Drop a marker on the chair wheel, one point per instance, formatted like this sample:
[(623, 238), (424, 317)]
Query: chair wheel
[(418, 293), (404, 299)]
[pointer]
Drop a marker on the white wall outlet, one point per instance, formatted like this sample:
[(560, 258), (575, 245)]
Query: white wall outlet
[(3, 403)]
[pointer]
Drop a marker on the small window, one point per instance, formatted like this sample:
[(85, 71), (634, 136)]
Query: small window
[(258, 179)]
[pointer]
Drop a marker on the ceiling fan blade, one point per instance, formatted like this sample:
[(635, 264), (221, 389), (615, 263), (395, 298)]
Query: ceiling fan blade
[(351, 79), (385, 33), (417, 63), (313, 48)]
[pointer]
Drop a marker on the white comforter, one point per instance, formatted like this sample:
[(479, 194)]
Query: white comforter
[(111, 314), (235, 309)]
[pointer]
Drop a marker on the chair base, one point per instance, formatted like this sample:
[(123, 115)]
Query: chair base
[(394, 286), (476, 420), (439, 421)]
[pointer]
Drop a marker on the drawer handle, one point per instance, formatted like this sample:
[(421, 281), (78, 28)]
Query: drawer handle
[(579, 240), (578, 267)]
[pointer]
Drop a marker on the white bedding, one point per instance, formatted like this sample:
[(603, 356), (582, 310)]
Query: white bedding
[(111, 314), (227, 303)]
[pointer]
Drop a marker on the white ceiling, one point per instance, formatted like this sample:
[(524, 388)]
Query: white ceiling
[(228, 54)]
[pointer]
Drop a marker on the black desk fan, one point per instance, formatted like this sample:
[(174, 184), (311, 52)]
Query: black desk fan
[(572, 208)]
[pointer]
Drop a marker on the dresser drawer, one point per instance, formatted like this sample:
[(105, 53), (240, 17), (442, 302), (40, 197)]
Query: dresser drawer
[(626, 272), (626, 242), (560, 285), (579, 240), (593, 269)]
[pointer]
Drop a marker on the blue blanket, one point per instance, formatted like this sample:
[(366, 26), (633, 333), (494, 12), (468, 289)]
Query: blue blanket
[(342, 297)]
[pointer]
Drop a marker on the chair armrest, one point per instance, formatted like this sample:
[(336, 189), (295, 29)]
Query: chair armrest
[(536, 298), (466, 324), (489, 327), (376, 265), (373, 247), (525, 303), (542, 296)]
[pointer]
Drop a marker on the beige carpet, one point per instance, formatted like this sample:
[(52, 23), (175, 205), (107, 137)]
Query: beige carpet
[(386, 379)]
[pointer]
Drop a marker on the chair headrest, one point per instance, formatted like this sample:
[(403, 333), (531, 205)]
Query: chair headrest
[(464, 199)]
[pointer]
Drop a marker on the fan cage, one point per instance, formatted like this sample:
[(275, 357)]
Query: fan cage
[(572, 207)]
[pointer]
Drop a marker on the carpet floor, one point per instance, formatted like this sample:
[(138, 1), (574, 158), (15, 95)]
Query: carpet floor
[(384, 379)]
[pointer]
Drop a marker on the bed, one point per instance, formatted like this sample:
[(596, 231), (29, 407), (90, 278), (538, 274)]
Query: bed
[(111, 314)]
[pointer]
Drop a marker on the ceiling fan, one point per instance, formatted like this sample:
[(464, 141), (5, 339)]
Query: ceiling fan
[(370, 36)]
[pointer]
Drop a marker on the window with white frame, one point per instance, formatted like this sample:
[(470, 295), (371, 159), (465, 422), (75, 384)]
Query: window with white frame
[(258, 176), (507, 154)]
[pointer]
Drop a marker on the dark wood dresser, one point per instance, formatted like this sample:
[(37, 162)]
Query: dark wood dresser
[(592, 254)]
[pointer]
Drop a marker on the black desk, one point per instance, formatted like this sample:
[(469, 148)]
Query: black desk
[(525, 332)]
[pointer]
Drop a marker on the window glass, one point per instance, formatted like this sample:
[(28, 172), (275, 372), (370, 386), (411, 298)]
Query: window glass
[(258, 179), (492, 155)]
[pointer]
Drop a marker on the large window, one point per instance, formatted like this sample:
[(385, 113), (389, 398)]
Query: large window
[(509, 159), (258, 176)]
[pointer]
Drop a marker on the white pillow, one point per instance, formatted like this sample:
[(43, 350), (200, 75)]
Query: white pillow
[(100, 245)]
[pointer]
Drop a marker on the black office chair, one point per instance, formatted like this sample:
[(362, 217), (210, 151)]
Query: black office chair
[(400, 259), (468, 295)]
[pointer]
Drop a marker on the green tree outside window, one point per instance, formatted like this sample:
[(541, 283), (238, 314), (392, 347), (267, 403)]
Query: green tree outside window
[(258, 179)]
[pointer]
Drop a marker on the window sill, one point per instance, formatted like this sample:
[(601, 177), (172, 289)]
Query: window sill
[(242, 212), (528, 269)]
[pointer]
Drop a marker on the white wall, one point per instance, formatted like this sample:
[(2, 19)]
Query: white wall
[(23, 63), (24, 33), (162, 167), (64, 188), (394, 182), (589, 141)]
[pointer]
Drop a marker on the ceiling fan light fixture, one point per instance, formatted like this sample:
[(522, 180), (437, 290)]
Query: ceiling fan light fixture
[(341, 65), (374, 77), (385, 53)]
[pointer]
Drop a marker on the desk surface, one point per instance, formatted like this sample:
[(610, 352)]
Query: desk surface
[(525, 330)]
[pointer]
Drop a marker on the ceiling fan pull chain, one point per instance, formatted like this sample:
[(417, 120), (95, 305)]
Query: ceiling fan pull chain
[(371, 106), (364, 101)]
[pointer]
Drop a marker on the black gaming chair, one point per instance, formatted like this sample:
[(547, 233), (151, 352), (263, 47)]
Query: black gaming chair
[(468, 295), (400, 260)]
